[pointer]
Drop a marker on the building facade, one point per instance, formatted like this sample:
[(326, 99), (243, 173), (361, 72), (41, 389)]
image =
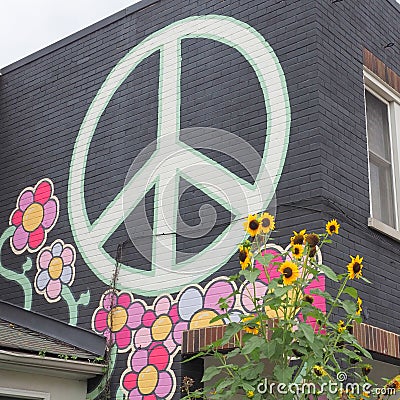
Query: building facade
[(133, 151)]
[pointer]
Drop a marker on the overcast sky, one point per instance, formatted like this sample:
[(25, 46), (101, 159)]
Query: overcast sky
[(30, 25)]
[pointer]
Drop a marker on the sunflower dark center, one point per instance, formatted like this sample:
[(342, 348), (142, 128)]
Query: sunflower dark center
[(296, 251), (288, 272), (309, 299), (253, 225), (332, 228), (298, 239), (356, 268), (265, 223), (317, 372), (242, 256)]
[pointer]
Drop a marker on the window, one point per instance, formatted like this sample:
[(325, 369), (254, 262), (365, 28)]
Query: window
[(382, 107)]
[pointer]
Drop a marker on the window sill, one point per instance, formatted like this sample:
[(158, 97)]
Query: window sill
[(383, 228)]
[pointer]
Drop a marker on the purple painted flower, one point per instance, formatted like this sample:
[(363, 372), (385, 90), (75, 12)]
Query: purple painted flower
[(160, 325), (196, 309), (117, 315), (148, 377), (35, 215), (56, 267)]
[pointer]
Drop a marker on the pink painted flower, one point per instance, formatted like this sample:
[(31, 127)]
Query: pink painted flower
[(261, 285), (160, 325), (35, 215), (56, 267), (148, 376), (117, 315), (197, 309)]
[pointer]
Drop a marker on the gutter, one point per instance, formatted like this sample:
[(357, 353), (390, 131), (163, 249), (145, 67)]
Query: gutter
[(21, 362)]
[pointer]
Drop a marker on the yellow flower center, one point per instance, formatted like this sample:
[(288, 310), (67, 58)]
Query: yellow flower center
[(55, 267), (147, 379), (202, 319), (161, 327), (117, 318), (33, 217)]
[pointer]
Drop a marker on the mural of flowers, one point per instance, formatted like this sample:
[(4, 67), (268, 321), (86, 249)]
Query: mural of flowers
[(148, 376), (56, 267), (197, 309), (35, 215), (116, 317), (161, 325), (261, 285)]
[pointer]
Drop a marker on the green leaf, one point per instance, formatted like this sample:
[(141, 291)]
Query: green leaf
[(280, 291), (255, 342), (283, 374), (231, 330), (308, 331), (351, 292), (250, 275), (268, 349), (349, 306), (321, 293), (328, 272), (210, 372), (264, 259)]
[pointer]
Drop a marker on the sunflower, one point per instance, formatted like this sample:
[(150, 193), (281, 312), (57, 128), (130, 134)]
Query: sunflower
[(253, 327), (319, 371), (359, 308), (332, 227), (298, 238), (308, 298), (297, 251), (252, 225), (250, 394), (355, 267), (267, 223), (341, 326), (289, 271), (366, 369), (312, 239), (245, 256)]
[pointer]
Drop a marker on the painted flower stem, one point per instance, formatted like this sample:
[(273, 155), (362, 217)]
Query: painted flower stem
[(21, 279)]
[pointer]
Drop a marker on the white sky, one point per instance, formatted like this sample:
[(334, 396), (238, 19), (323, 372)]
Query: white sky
[(30, 25)]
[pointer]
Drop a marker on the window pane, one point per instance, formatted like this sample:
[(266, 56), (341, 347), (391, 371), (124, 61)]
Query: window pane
[(378, 126), (382, 194)]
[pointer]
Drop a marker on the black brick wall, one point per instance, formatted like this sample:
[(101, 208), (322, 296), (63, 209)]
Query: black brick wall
[(319, 45)]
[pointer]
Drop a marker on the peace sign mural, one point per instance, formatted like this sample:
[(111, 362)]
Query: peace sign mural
[(172, 160)]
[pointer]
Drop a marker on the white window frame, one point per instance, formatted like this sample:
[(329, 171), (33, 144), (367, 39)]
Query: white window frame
[(24, 394), (385, 93)]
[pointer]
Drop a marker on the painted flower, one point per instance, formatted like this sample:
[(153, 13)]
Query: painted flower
[(56, 267), (148, 376), (355, 267), (35, 215), (161, 325), (197, 309), (117, 315)]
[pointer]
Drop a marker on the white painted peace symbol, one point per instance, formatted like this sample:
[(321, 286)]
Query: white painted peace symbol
[(173, 156)]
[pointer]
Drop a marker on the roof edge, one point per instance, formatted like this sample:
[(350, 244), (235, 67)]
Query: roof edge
[(77, 35), (73, 335), (17, 361)]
